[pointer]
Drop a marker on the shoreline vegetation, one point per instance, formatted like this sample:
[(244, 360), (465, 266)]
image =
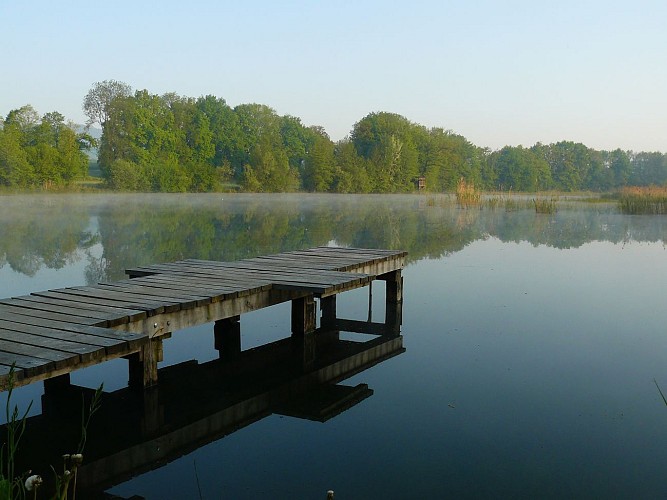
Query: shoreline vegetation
[(170, 143)]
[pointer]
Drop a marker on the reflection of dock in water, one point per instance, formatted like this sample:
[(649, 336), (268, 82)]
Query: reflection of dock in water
[(197, 403)]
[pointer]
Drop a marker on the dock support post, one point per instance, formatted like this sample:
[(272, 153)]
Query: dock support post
[(303, 315), (227, 337), (143, 364), (394, 282), (394, 297), (328, 306)]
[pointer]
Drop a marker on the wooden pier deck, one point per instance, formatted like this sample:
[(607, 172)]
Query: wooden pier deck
[(46, 335)]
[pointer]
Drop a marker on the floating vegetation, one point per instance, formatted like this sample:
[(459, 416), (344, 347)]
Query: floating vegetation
[(466, 194), (643, 200), (544, 206)]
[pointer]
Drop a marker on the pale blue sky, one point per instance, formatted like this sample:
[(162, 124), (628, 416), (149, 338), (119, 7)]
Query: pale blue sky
[(497, 72)]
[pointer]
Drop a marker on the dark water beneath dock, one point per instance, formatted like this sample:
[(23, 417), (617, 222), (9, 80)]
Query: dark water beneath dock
[(531, 342)]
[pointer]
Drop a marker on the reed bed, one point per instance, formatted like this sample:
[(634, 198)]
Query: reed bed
[(650, 200), (466, 194), (544, 206)]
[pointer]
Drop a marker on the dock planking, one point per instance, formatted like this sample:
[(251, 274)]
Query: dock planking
[(53, 332)]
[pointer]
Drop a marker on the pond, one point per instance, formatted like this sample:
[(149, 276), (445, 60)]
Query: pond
[(534, 343)]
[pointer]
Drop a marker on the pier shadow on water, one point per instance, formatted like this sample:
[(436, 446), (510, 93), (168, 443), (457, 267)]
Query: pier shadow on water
[(196, 403)]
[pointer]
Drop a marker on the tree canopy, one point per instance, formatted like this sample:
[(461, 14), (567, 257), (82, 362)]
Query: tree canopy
[(41, 152), (169, 142)]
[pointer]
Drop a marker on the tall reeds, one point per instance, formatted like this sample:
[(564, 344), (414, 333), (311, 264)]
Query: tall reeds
[(544, 206), (643, 200), (466, 194)]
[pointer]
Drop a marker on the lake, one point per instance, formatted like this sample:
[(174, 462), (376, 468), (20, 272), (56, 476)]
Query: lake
[(534, 343)]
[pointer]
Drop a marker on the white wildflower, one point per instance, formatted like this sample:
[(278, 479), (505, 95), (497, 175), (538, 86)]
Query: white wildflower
[(33, 482)]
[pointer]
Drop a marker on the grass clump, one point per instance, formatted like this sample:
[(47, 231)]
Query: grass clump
[(466, 194), (650, 200), (544, 206)]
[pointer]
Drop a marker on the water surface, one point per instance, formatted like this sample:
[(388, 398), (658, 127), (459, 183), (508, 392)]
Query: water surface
[(532, 341)]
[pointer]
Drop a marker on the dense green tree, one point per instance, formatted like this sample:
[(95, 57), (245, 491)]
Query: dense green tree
[(620, 167), (600, 176), (319, 169), (36, 152), (520, 169), (351, 170), (387, 140), (446, 157), (648, 169), (298, 141), (226, 133), (15, 169), (569, 163)]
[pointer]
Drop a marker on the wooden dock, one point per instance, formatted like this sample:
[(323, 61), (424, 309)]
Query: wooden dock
[(46, 335)]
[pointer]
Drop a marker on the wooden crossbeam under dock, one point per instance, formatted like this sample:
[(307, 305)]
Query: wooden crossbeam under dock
[(52, 333)]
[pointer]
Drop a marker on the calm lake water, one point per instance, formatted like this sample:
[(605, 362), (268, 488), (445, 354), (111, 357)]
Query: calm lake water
[(531, 342)]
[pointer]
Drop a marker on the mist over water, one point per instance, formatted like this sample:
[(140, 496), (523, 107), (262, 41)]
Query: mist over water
[(532, 341)]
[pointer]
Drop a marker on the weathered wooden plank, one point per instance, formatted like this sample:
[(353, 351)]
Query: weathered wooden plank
[(34, 302), (110, 307), (112, 345), (151, 302), (28, 365), (237, 280), (112, 315), (223, 289), (186, 300), (16, 344), (89, 304), (213, 288), (133, 340), (50, 316), (250, 270), (232, 287), (79, 296)]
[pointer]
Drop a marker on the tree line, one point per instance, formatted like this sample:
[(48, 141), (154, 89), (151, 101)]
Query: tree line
[(172, 143), (41, 151)]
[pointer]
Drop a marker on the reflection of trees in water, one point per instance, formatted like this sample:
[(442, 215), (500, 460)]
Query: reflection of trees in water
[(42, 234), (136, 229)]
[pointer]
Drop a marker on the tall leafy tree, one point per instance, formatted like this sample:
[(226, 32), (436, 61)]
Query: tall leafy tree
[(387, 140), (15, 169), (97, 102), (319, 169), (351, 170), (620, 167), (520, 169)]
